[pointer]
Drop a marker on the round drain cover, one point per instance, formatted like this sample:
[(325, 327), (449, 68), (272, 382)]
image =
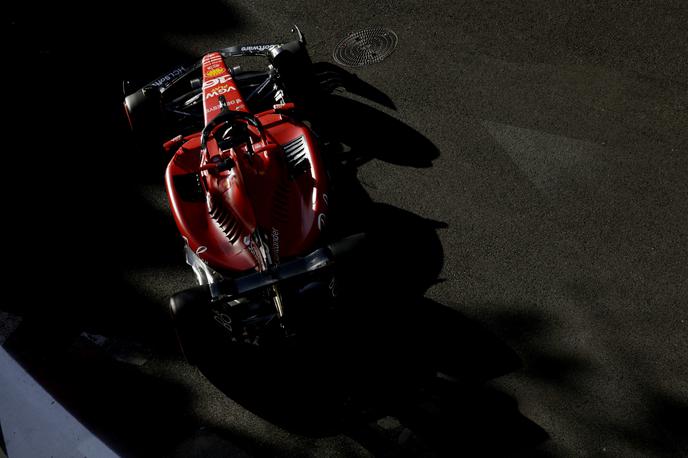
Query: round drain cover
[(366, 46)]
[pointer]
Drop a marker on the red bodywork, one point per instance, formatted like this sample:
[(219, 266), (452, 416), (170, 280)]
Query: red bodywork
[(273, 191)]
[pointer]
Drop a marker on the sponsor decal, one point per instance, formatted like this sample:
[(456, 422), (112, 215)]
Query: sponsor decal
[(275, 244), (256, 48), (219, 91), (321, 221), (214, 72), (201, 249), (229, 104), (219, 86), (162, 81), (224, 320)]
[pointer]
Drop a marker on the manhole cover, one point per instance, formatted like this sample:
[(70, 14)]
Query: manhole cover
[(366, 46)]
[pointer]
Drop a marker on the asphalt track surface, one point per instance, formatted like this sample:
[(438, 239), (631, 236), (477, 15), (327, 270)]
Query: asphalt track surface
[(525, 166)]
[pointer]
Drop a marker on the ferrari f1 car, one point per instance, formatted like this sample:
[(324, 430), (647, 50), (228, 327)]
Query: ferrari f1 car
[(248, 189)]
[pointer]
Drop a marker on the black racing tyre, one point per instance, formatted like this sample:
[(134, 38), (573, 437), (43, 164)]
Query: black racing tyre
[(144, 113), (189, 310), (295, 70)]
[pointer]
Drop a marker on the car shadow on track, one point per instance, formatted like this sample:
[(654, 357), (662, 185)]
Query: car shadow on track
[(395, 371)]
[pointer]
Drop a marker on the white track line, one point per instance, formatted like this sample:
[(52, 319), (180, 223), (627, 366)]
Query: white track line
[(35, 425)]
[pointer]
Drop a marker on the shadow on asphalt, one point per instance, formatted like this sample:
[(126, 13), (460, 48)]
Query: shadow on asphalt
[(395, 371), (667, 416), (399, 373)]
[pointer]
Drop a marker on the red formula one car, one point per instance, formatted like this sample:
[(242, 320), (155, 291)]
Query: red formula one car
[(248, 188)]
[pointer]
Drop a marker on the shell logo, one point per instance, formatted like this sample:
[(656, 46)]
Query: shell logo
[(214, 72)]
